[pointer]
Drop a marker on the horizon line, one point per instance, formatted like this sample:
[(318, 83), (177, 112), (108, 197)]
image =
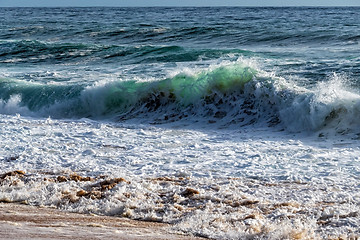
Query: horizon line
[(93, 6)]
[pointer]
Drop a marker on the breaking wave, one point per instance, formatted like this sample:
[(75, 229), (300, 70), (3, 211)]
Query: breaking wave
[(233, 95)]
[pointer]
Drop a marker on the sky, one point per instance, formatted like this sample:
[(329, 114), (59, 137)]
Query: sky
[(148, 3)]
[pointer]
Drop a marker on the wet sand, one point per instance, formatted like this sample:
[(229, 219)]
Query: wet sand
[(19, 221)]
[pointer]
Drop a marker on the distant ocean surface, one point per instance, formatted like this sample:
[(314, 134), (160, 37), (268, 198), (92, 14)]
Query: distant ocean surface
[(228, 123)]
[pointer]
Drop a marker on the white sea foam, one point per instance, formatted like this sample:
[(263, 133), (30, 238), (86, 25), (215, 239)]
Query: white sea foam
[(12, 106), (250, 182), (330, 106)]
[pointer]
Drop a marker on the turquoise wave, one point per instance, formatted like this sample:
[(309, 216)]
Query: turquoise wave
[(232, 95), (120, 97), (182, 89), (36, 96)]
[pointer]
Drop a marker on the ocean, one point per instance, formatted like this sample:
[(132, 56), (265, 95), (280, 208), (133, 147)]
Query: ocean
[(226, 122)]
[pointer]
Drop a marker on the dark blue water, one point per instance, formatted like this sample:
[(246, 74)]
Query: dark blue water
[(166, 60), (200, 27)]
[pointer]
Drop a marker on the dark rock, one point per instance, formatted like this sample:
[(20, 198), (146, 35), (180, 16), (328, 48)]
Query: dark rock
[(189, 192), (62, 179), (19, 173)]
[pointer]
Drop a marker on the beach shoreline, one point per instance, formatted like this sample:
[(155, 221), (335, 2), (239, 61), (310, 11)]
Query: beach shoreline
[(20, 221)]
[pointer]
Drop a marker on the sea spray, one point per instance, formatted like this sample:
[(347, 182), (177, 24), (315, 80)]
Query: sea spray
[(330, 105)]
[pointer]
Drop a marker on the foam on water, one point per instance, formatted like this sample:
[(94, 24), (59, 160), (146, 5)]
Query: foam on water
[(12, 106), (245, 181), (221, 184), (330, 106)]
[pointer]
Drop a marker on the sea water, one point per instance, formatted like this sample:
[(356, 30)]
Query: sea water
[(228, 123)]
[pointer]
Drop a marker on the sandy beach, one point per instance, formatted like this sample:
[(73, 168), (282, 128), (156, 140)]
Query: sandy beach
[(18, 221)]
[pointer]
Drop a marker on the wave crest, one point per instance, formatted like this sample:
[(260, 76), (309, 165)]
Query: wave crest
[(232, 95)]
